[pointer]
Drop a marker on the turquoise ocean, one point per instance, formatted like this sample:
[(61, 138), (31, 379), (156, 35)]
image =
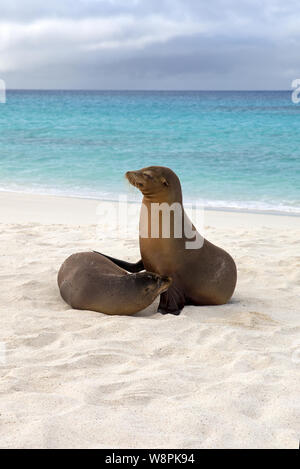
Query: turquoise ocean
[(234, 150)]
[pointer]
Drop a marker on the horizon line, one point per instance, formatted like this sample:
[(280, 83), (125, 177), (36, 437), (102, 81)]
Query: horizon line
[(146, 90)]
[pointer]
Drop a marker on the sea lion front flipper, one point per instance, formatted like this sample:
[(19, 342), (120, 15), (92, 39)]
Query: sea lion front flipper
[(130, 267), (172, 301)]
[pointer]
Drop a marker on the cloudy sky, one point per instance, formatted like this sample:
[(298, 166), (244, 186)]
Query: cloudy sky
[(150, 44)]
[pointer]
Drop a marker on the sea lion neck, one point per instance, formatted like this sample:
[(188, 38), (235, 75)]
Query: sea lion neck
[(169, 196)]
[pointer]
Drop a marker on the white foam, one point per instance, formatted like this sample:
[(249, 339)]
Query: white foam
[(232, 205)]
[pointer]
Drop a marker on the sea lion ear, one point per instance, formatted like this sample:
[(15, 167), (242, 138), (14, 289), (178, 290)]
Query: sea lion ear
[(164, 181)]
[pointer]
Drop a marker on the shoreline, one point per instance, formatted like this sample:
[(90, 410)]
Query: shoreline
[(23, 208), (278, 213)]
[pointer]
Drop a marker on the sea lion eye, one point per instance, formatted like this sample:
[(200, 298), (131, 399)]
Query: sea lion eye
[(147, 176)]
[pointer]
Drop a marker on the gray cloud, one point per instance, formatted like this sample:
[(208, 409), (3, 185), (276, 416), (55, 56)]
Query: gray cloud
[(150, 44)]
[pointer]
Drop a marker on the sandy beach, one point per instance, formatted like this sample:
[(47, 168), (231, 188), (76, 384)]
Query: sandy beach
[(213, 377)]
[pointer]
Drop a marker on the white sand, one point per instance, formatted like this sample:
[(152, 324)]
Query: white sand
[(224, 377)]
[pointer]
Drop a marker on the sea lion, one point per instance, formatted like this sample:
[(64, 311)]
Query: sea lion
[(92, 282), (203, 275)]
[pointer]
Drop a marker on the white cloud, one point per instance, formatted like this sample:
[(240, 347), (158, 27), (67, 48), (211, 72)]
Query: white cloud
[(249, 37), (48, 40)]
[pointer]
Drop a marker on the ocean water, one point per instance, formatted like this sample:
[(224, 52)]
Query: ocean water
[(238, 150)]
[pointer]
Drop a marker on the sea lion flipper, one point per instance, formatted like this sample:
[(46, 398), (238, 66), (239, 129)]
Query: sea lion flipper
[(130, 267), (172, 301)]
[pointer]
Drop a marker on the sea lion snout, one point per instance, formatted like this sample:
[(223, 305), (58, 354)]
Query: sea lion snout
[(153, 282), (165, 278), (165, 282), (135, 178)]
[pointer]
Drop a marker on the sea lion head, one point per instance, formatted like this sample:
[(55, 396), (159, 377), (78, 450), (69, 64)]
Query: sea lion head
[(156, 183), (150, 285)]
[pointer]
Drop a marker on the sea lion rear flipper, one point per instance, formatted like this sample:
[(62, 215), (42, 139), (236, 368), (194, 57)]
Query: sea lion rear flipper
[(130, 267), (172, 301)]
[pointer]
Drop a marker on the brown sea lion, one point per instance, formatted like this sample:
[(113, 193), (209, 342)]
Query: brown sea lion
[(90, 281), (202, 274)]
